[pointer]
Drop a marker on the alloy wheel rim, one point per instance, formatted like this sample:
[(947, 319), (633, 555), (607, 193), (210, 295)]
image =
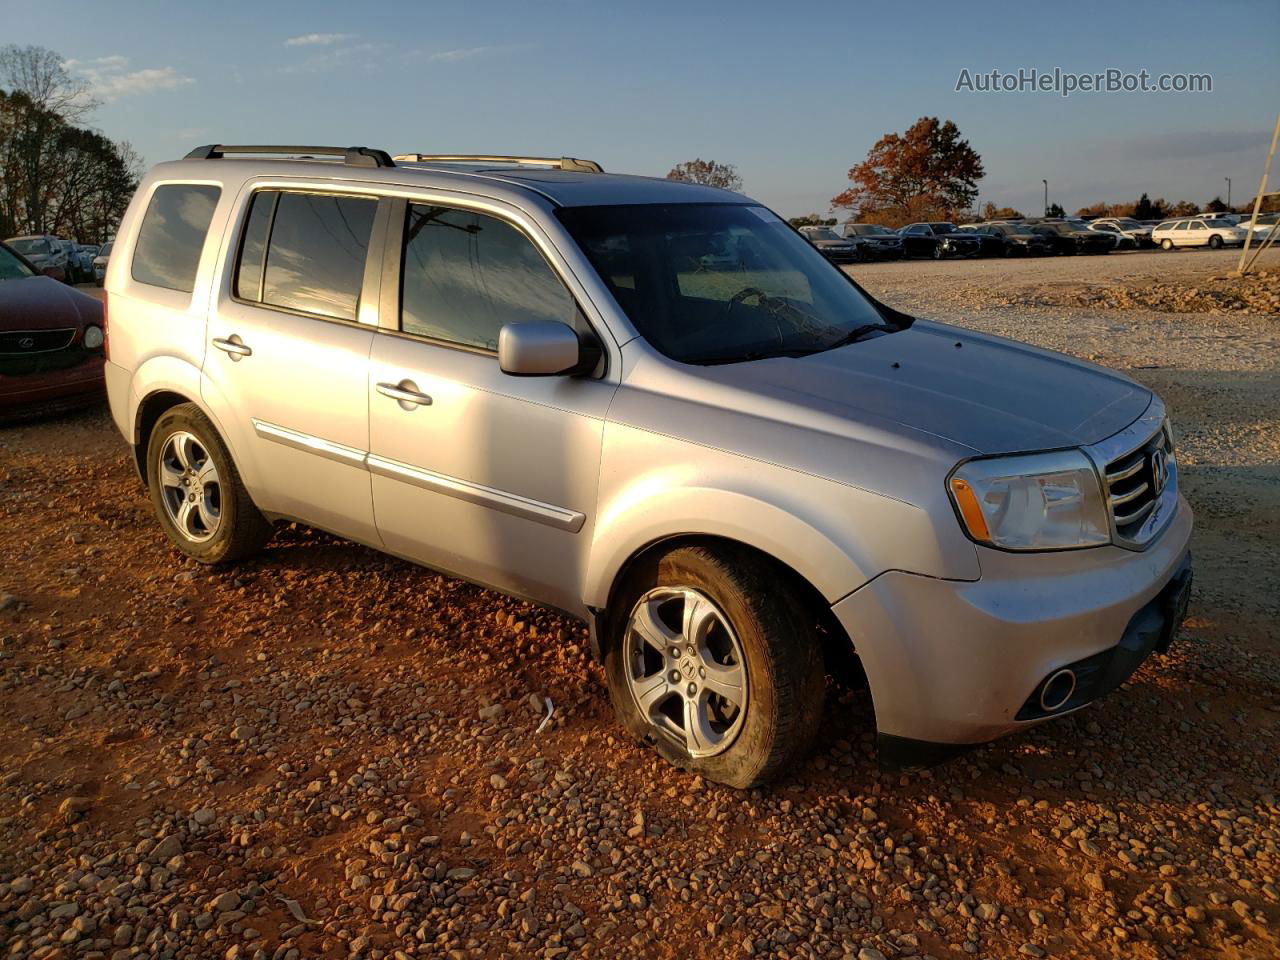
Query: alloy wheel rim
[(686, 669), (190, 488)]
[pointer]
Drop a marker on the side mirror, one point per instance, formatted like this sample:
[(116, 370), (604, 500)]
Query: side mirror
[(545, 349)]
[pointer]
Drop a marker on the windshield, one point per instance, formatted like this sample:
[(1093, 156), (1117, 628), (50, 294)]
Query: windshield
[(1126, 224), (822, 233), (943, 227), (718, 283), (1220, 223), (30, 245), (11, 268), (868, 230)]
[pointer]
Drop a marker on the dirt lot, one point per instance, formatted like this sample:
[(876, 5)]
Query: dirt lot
[(326, 752)]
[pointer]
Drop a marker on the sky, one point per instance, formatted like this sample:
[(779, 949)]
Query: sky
[(793, 94)]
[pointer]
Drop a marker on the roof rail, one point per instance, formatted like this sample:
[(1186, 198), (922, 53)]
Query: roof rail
[(559, 163), (351, 156)]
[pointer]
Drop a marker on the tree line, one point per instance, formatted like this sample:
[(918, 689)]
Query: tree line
[(930, 172), (57, 176)]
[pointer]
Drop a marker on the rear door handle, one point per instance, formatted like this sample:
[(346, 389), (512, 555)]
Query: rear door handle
[(233, 346), (407, 392)]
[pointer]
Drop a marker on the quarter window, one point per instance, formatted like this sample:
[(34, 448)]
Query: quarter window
[(465, 275), (172, 235)]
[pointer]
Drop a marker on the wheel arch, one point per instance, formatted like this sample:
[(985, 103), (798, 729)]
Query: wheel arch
[(837, 647)]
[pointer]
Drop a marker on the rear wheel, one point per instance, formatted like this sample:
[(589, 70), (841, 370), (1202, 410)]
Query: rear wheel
[(1215, 242), (196, 491), (1166, 244), (713, 666)]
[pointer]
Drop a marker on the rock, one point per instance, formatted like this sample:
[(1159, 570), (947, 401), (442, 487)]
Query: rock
[(225, 902), (987, 911), (870, 953), (243, 732), (1094, 881), (73, 808), (492, 712), (8, 601), (204, 816), (498, 782), (166, 849), (1031, 950)]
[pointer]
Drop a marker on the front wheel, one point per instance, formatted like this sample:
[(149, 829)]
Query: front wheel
[(196, 491), (1166, 244), (1215, 242), (714, 666)]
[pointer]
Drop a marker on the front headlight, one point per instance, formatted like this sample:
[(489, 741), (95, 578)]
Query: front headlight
[(1048, 501), (92, 337)]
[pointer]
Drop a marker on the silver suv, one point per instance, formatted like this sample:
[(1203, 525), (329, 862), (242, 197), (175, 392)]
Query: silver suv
[(655, 406)]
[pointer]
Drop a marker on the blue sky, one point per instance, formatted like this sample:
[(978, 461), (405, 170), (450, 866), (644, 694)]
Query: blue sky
[(793, 93)]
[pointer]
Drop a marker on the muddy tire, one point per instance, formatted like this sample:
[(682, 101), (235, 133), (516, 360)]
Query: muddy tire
[(714, 666)]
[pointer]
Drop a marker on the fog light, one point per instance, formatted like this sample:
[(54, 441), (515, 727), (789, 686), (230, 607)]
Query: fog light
[(92, 337)]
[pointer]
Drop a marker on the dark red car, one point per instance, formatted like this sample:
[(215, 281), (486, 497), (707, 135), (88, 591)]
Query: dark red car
[(51, 342)]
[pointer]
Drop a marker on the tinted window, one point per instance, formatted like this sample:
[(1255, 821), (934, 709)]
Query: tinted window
[(466, 274), (11, 268), (172, 235), (315, 261), (253, 248)]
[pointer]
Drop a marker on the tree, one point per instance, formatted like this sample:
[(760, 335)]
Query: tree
[(1148, 209), (1183, 208), (812, 220), (56, 177), (1217, 206), (1055, 210), (707, 172), (991, 212), (927, 173)]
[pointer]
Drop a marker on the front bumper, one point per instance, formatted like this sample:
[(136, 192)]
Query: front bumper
[(53, 391), (956, 662)]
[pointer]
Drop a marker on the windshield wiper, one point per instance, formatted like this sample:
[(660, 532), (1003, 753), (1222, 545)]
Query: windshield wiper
[(856, 334), (750, 355)]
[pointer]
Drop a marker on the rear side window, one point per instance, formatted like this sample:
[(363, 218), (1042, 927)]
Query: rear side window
[(466, 274), (172, 235), (306, 252)]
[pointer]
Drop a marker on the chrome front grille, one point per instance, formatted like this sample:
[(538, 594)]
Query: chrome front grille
[(1136, 482)]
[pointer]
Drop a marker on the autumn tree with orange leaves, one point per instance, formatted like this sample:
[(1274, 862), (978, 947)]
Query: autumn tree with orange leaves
[(927, 173)]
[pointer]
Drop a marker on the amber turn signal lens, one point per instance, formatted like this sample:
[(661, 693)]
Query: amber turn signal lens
[(970, 510)]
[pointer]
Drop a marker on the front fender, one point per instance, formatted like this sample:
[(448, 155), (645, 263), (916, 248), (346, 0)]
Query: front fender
[(837, 536), (649, 513)]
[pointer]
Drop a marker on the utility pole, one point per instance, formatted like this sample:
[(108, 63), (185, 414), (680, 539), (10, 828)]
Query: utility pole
[(1046, 197), (1228, 179)]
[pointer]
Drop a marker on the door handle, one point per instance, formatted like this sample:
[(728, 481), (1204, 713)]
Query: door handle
[(407, 392), (232, 346)]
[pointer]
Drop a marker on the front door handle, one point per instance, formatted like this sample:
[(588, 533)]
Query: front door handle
[(233, 346), (406, 392)]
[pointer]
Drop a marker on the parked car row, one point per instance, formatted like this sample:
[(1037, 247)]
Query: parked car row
[(60, 259), (1032, 236)]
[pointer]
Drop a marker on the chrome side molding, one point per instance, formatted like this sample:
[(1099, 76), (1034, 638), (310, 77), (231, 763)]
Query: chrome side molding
[(562, 518)]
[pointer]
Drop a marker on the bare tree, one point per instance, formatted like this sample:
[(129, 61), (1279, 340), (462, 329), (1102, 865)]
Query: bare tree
[(43, 76), (708, 172)]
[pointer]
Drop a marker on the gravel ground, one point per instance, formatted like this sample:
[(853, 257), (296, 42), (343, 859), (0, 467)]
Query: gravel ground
[(327, 752)]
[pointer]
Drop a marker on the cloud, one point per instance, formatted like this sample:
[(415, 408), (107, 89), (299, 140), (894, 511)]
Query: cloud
[(469, 53), (359, 55), (318, 39), (110, 79)]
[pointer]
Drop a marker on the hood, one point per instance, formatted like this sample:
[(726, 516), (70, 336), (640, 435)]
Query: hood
[(832, 243), (989, 394), (42, 303)]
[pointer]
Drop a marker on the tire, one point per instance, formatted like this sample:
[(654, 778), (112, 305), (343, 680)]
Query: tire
[(748, 619), (937, 253), (1215, 242), (216, 521), (1166, 244)]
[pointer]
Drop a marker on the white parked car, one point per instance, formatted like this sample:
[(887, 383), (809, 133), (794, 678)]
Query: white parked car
[(1130, 232), (1198, 232)]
